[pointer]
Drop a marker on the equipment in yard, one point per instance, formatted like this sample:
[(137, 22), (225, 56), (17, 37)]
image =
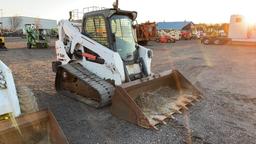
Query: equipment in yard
[(2, 44), (165, 37), (20, 120), (216, 37), (146, 32), (176, 34), (186, 35), (217, 40), (36, 38), (104, 64), (2, 41)]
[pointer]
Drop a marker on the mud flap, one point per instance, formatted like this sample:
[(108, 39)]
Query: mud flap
[(151, 101)]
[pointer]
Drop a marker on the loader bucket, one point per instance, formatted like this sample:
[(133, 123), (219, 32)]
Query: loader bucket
[(151, 101), (34, 128)]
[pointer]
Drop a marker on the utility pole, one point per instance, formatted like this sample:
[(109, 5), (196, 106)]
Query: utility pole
[(1, 19), (1, 14)]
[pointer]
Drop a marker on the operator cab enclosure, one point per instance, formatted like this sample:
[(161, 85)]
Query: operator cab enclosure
[(113, 29)]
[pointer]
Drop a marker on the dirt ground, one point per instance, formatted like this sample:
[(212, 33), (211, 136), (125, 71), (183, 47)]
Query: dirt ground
[(18, 42), (225, 74)]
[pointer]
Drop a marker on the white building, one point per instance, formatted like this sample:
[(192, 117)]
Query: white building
[(42, 23)]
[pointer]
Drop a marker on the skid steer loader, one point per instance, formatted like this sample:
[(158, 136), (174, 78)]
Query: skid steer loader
[(20, 120), (103, 63)]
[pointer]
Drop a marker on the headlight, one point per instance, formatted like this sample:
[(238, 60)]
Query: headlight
[(2, 81)]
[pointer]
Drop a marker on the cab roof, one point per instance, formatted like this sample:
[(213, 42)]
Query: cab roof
[(110, 12)]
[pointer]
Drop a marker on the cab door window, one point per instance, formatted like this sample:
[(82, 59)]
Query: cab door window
[(95, 27)]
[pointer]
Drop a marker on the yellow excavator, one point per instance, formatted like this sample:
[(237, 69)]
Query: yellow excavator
[(2, 41)]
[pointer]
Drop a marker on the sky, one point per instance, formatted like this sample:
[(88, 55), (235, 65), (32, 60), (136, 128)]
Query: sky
[(198, 11)]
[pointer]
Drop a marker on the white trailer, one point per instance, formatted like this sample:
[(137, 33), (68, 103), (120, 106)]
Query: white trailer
[(240, 30)]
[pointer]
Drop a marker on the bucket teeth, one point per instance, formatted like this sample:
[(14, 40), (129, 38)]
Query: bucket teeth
[(176, 108), (196, 99), (183, 106), (179, 111), (155, 127), (159, 120), (192, 104), (186, 100), (172, 117), (193, 98)]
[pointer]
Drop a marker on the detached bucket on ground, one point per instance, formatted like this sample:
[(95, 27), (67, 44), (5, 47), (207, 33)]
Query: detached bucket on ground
[(34, 128), (151, 101)]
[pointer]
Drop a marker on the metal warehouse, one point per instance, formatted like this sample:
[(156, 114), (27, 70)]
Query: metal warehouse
[(19, 22), (184, 25)]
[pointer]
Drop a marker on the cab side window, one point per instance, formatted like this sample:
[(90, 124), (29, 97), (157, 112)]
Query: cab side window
[(95, 27)]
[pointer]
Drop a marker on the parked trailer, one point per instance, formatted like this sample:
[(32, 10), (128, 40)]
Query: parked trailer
[(146, 32), (239, 32)]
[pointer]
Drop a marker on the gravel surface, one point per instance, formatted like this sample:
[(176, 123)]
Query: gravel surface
[(226, 75)]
